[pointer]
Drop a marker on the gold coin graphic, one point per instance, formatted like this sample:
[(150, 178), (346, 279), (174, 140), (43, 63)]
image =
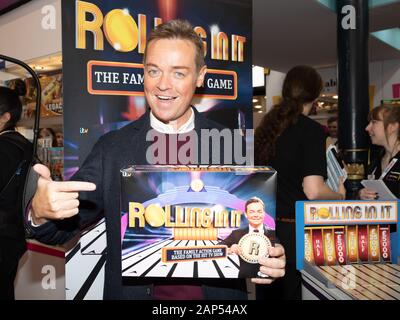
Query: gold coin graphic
[(121, 30), (323, 213), (154, 215)]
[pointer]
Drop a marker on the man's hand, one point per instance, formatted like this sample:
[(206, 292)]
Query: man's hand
[(56, 200), (234, 249), (273, 266)]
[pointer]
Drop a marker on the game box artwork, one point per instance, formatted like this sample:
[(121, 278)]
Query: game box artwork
[(194, 222)]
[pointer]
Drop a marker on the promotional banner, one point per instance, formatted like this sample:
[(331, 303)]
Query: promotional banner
[(322, 213), (103, 46)]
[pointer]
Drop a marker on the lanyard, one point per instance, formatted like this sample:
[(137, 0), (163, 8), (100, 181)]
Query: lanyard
[(387, 169)]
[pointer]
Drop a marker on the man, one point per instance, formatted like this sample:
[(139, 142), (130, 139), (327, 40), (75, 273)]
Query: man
[(332, 124), (254, 212), (332, 127), (173, 68)]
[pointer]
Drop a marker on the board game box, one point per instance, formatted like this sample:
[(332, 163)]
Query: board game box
[(196, 222)]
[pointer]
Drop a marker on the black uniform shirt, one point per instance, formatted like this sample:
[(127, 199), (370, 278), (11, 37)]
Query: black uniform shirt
[(300, 152)]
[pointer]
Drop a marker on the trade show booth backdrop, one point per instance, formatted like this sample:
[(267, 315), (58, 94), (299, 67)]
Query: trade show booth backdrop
[(103, 45)]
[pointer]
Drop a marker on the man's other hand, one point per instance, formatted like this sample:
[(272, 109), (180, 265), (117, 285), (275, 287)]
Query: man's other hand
[(273, 267)]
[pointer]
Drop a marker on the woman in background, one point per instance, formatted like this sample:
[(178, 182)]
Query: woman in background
[(294, 145), (15, 157), (59, 139), (384, 130), (48, 133)]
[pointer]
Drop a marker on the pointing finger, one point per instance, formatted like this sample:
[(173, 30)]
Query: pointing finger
[(74, 186)]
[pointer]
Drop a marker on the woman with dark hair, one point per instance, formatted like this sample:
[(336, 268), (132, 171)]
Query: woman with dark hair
[(384, 130), (15, 157), (48, 133), (294, 145)]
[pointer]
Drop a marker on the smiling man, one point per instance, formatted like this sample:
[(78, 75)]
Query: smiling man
[(173, 68), (169, 83)]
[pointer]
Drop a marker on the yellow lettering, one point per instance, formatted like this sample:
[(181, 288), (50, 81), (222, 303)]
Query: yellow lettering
[(238, 48), (219, 46), (235, 218), (142, 32), (206, 218), (124, 34), (136, 211), (94, 26), (168, 222)]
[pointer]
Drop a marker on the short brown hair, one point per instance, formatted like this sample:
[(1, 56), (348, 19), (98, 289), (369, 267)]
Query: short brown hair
[(253, 200), (387, 114), (178, 29)]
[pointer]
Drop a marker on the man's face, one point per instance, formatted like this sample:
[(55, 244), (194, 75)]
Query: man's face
[(255, 214), (332, 128), (170, 79)]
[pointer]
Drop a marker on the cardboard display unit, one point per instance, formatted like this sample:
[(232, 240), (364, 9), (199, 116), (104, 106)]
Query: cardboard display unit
[(348, 249)]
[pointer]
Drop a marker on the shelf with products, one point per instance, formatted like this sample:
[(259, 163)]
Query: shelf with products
[(49, 71), (50, 143), (52, 100)]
